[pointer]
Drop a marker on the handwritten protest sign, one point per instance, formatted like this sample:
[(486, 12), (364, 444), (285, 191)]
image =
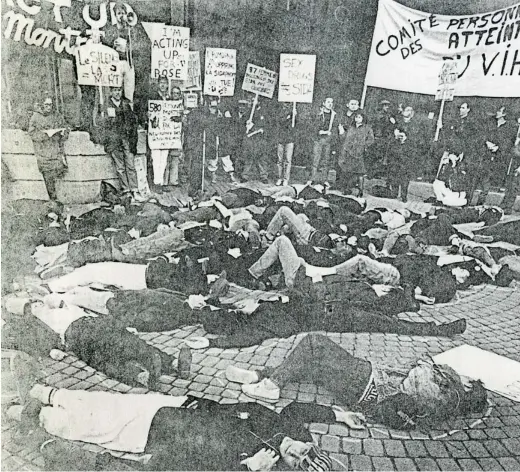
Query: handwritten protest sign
[(220, 72), (296, 78), (163, 131), (98, 64), (447, 79), (170, 50), (193, 80), (259, 80)]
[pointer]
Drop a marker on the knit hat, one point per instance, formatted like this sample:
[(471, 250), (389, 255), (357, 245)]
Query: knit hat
[(316, 460)]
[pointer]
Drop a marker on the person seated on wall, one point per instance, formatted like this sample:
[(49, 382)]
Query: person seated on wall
[(426, 394)]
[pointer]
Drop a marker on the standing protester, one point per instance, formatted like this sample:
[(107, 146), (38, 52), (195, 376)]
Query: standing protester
[(48, 131), (120, 139), (325, 123), (463, 136), (255, 146), (405, 153), (160, 156), (513, 177), (348, 118), (500, 140), (175, 155), (285, 148), (118, 37), (225, 145), (351, 163), (383, 126)]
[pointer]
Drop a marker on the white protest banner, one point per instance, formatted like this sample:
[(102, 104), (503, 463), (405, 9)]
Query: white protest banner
[(99, 65), (220, 71), (163, 131), (170, 50), (296, 82), (409, 47), (259, 80)]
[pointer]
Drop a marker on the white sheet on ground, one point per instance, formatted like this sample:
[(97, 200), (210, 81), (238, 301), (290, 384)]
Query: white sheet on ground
[(498, 373), (112, 420)]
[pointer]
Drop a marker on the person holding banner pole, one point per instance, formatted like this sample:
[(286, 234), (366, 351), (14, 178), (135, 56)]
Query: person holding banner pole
[(254, 147), (325, 123), (286, 129)]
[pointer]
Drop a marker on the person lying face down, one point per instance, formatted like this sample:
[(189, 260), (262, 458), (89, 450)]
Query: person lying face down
[(424, 395)]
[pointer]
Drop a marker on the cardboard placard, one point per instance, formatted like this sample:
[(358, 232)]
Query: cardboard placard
[(220, 72), (163, 132), (170, 50), (99, 65), (296, 82), (259, 80)]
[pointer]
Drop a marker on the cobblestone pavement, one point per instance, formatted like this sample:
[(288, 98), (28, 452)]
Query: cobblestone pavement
[(484, 442)]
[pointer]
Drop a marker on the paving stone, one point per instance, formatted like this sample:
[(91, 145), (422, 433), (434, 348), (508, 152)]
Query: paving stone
[(373, 447), (512, 445), (360, 463), (415, 449), (70, 370), (394, 448), (495, 433), (404, 465), (495, 448), (339, 461), (352, 446), (306, 397), (339, 430), (509, 463), (477, 434), (66, 383), (212, 390), (424, 464), (330, 443), (476, 449), (320, 428), (359, 433), (448, 464), (457, 449), (382, 463), (469, 464), (203, 378), (488, 463), (197, 387)]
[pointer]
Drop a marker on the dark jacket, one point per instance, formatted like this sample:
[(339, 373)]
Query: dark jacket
[(210, 436), (120, 127), (46, 147)]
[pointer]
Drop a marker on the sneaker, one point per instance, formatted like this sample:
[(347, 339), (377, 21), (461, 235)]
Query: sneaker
[(279, 182), (137, 197), (285, 182), (264, 390), (309, 183), (241, 376)]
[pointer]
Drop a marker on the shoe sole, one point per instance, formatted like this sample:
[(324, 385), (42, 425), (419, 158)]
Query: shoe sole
[(258, 397), (238, 377)]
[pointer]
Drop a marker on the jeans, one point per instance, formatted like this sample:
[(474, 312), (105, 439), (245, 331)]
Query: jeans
[(296, 223), (227, 164), (481, 179), (51, 170), (356, 267), (317, 359), (399, 180), (321, 149), (285, 155), (159, 162), (124, 162)]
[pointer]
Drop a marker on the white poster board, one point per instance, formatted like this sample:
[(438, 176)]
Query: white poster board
[(498, 373), (259, 80), (170, 50), (220, 72), (99, 65), (163, 132), (447, 80), (296, 82)]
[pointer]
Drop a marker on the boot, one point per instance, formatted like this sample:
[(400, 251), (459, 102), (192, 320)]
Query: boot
[(450, 329)]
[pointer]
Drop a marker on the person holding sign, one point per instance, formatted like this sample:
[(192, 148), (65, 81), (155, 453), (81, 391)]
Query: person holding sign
[(351, 163), (120, 140), (49, 132), (325, 122), (254, 147), (286, 134)]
